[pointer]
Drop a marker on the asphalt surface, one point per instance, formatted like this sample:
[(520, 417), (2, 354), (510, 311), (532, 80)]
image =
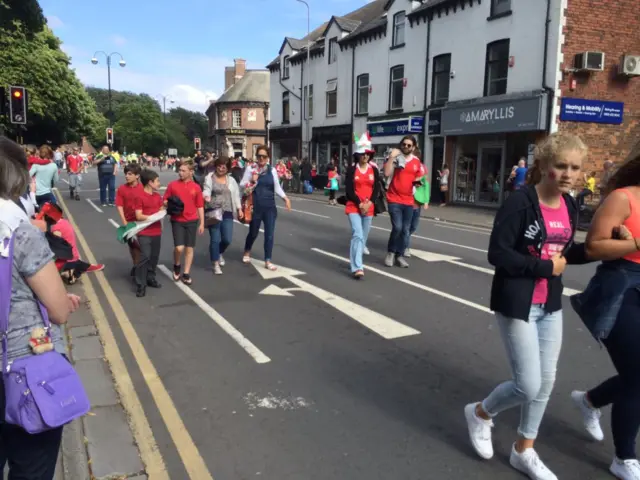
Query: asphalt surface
[(331, 391)]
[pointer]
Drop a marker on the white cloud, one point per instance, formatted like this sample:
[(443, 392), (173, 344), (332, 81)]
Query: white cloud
[(54, 22), (118, 40)]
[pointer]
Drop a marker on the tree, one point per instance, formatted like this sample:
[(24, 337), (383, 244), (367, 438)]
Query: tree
[(21, 13), (195, 124)]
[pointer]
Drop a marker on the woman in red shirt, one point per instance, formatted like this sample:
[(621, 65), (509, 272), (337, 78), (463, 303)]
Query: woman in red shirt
[(362, 187)]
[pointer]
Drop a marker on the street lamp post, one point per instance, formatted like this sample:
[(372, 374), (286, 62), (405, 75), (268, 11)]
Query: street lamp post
[(122, 63), (164, 122), (306, 97)]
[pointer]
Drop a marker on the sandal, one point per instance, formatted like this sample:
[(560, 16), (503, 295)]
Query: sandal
[(176, 272), (246, 259), (270, 266), (186, 279)]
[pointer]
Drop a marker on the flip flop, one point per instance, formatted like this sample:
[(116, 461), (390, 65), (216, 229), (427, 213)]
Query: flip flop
[(246, 259), (270, 266)]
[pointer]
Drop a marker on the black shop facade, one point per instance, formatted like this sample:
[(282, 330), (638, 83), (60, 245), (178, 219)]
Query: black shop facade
[(331, 143), (286, 142), (485, 138)]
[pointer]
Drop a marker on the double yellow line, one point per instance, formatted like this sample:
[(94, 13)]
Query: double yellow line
[(149, 452)]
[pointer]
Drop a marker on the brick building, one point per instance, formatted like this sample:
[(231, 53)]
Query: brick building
[(612, 28), (238, 119)]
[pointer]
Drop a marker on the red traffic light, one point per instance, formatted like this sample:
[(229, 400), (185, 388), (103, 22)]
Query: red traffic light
[(109, 131), (17, 93)]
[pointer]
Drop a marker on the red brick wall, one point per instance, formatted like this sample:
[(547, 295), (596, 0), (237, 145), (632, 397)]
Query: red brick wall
[(612, 27), (259, 123)]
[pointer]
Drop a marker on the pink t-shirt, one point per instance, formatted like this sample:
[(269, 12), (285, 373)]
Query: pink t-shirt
[(558, 226), (66, 230)]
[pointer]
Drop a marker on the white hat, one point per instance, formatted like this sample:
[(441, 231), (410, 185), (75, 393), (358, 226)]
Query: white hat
[(362, 144)]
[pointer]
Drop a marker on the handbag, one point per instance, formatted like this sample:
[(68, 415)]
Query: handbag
[(247, 208), (212, 216), (444, 188), (42, 392)]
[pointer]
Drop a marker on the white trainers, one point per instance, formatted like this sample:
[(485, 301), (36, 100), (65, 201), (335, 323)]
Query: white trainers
[(479, 432), (407, 253), (402, 263), (222, 262), (625, 469), (529, 463), (390, 259), (590, 416), (366, 251), (217, 270)]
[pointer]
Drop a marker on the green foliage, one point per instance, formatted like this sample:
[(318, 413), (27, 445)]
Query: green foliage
[(21, 13)]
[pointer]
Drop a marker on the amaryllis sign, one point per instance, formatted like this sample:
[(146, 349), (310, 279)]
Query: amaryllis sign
[(505, 115)]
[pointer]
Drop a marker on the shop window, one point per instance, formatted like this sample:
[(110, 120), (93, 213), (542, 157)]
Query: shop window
[(398, 29), (363, 94), (396, 87), (332, 98), (333, 50), (500, 7), (285, 68), (497, 68), (285, 107), (441, 78)]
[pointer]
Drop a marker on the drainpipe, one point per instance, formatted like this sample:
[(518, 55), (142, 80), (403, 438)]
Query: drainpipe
[(302, 106), (425, 128), (353, 94), (550, 91)]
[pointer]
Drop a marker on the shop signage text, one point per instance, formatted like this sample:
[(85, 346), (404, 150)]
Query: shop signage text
[(592, 111), (235, 131), (402, 126), (435, 121)]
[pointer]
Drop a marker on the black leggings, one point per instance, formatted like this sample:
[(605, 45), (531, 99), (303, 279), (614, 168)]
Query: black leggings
[(623, 390)]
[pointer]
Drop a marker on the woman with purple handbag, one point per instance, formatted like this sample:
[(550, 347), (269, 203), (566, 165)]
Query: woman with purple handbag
[(39, 389)]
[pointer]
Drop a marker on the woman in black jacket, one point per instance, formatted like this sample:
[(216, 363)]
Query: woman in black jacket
[(530, 245)]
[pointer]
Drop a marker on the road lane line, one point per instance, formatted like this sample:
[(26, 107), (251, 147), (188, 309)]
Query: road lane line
[(99, 210), (453, 227), (234, 333), (65, 180), (189, 454), (114, 223), (245, 225), (436, 240), (306, 213), (410, 282)]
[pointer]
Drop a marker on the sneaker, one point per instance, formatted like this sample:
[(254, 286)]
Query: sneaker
[(98, 267), (529, 463), (479, 432), (141, 291), (222, 262), (402, 263), (389, 259), (407, 253), (590, 416), (366, 251), (104, 205), (625, 469), (217, 270)]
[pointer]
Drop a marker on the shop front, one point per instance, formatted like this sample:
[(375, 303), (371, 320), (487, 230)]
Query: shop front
[(485, 139), (386, 134), (434, 148), (285, 142), (331, 143)]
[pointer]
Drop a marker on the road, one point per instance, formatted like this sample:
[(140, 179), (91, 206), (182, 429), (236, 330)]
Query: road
[(308, 374)]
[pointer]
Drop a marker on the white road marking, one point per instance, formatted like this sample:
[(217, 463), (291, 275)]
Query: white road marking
[(65, 181), (114, 223), (245, 225), (454, 227), (436, 240), (382, 325), (94, 205), (448, 296), (306, 213), (276, 291), (234, 333)]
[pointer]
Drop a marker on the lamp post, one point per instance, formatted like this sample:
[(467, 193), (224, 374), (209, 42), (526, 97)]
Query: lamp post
[(122, 63), (306, 97), (164, 122)]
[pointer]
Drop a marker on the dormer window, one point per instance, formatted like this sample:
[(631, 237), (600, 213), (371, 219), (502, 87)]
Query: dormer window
[(285, 68), (398, 29), (333, 50)]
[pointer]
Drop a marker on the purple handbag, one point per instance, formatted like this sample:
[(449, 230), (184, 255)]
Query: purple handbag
[(43, 391)]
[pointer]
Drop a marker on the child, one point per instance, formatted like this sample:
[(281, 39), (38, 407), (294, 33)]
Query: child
[(148, 203), (332, 185), (125, 203)]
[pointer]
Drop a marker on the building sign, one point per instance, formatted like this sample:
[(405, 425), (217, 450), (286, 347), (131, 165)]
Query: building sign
[(435, 121), (389, 128), (251, 116), (331, 133), (506, 115), (235, 131), (592, 111)]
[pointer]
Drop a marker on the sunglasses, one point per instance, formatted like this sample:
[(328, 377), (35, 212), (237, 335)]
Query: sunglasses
[(407, 145), (262, 157)]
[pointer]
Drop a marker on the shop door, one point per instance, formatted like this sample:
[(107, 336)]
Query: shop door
[(490, 174)]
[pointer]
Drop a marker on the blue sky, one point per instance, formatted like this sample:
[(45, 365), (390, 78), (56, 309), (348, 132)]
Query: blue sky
[(179, 48)]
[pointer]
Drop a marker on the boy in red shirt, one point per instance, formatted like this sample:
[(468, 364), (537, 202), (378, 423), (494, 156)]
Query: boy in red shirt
[(185, 222), (148, 203), (405, 170), (126, 203), (74, 170)]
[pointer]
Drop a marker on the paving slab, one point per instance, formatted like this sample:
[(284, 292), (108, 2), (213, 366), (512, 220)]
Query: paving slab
[(110, 444), (98, 382), (87, 331), (86, 348), (73, 452), (82, 317)]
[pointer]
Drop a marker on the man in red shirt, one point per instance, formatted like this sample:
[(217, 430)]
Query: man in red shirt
[(126, 204), (405, 170), (74, 170), (188, 221)]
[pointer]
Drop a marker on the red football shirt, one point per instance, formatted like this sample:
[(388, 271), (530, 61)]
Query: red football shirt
[(401, 187), (191, 195), (75, 163), (126, 198), (363, 183), (150, 203)]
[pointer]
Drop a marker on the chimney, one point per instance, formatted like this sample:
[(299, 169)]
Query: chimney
[(240, 66), (229, 80)]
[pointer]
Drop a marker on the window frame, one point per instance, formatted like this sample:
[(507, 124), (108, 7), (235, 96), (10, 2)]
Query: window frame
[(233, 118), (331, 92), (285, 67), (286, 113), (435, 74), (503, 10), (394, 41), (488, 63), (333, 52), (391, 84), (359, 110), (310, 102)]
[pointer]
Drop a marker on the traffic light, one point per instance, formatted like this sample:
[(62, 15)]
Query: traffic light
[(3, 101), (17, 105), (110, 136), (196, 143)]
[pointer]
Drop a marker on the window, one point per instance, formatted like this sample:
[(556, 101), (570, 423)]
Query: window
[(285, 107), (363, 94), (398, 29), (499, 7), (333, 50), (396, 87), (332, 98), (236, 118), (308, 101), (441, 77), (497, 68), (285, 68)]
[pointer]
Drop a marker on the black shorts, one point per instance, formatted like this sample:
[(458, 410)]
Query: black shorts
[(184, 233)]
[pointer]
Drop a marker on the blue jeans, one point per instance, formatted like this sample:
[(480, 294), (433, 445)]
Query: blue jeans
[(360, 227), (220, 235), (107, 182), (533, 349), (46, 198), (267, 216), (415, 221), (401, 218)]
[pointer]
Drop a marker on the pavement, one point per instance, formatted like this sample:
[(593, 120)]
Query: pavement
[(305, 373)]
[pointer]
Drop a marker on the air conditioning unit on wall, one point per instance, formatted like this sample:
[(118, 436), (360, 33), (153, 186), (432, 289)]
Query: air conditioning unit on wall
[(629, 65), (589, 61)]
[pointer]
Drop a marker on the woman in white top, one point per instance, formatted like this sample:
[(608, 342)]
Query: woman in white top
[(444, 184)]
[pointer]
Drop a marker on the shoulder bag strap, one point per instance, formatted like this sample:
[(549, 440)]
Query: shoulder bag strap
[(6, 282)]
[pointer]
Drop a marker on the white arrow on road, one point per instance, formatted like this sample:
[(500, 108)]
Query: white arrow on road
[(436, 257), (382, 325)]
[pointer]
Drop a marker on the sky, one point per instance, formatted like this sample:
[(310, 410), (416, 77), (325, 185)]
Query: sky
[(180, 48)]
